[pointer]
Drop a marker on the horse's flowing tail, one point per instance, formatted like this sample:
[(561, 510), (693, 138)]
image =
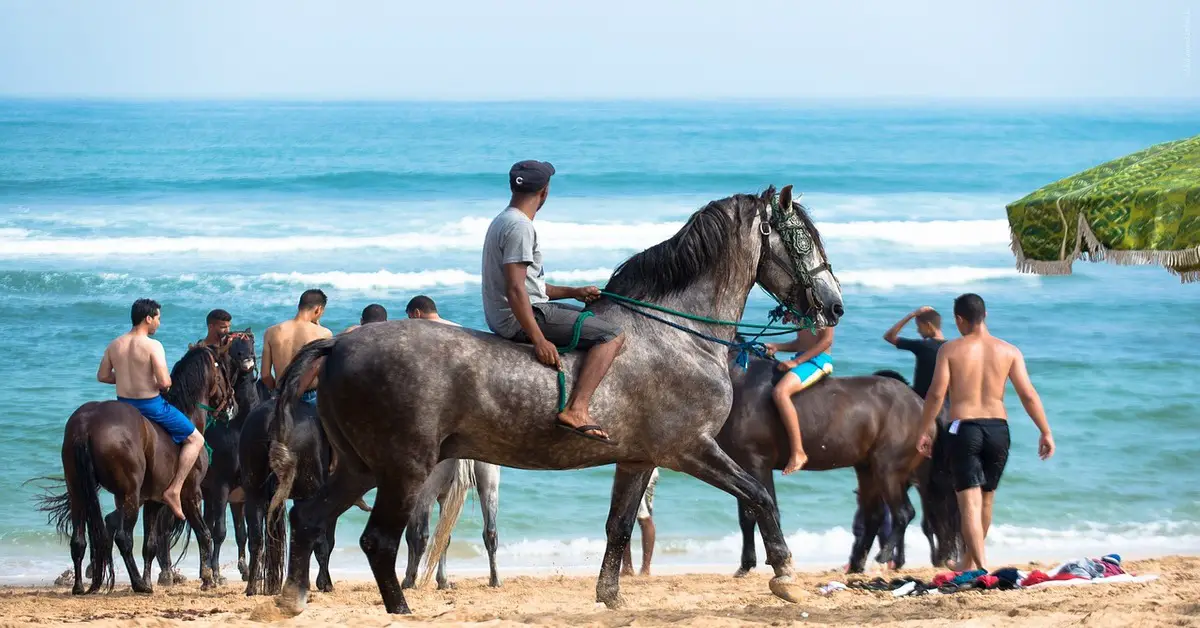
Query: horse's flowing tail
[(456, 496), (282, 459), (85, 490)]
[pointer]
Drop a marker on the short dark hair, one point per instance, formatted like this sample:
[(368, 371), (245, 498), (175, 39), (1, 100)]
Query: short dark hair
[(218, 316), (373, 313), (930, 317), (421, 302), (970, 308), (143, 309), (312, 298)]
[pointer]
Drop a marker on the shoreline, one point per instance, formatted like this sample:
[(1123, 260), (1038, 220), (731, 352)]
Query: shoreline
[(701, 599)]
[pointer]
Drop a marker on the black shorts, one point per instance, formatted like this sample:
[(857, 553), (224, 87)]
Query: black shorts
[(979, 451), (557, 322)]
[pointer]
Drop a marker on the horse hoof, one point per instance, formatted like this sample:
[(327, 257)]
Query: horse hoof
[(742, 573), (785, 588), (244, 571), (219, 580), (165, 579), (292, 601), (446, 586), (325, 587), (177, 578), (78, 590), (494, 583), (144, 589), (407, 584)]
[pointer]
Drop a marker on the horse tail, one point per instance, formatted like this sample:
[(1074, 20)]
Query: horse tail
[(173, 530), (282, 459), (943, 508), (67, 518), (452, 505)]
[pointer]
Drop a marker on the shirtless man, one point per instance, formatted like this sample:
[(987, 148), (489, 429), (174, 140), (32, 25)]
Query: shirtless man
[(811, 364), (974, 369), (282, 342), (137, 365), (423, 307)]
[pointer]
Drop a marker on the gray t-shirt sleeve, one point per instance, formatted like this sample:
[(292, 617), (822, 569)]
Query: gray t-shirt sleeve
[(516, 243)]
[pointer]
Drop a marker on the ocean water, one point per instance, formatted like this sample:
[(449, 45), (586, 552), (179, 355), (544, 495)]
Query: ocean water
[(244, 205)]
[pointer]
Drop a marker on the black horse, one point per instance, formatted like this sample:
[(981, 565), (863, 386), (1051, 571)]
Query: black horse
[(267, 538), (869, 423), (221, 483)]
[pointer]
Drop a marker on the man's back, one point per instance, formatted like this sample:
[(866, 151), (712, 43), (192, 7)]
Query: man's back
[(132, 358), (979, 370), (287, 338)]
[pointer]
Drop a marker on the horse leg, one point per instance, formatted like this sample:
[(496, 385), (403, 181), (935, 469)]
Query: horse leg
[(324, 549), (871, 507), (416, 535), (150, 542), (214, 517), (121, 521), (443, 583), (191, 512), (380, 540), (899, 528), (255, 508), (709, 464), (746, 519), (628, 487), (900, 511), (309, 518), (238, 509), (487, 484)]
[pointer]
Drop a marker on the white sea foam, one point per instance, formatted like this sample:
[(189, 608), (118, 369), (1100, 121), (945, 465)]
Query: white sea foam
[(467, 234), (1007, 544), (885, 279)]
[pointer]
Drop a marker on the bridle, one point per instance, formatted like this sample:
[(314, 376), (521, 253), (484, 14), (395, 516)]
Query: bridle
[(226, 409), (798, 243)]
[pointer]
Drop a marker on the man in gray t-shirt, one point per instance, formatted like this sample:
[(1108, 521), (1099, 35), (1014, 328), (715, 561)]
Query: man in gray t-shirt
[(517, 301)]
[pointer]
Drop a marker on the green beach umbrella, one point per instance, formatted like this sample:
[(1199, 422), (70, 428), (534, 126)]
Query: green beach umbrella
[(1143, 208)]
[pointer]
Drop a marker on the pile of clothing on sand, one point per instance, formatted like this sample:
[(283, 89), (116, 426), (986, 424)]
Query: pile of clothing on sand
[(1105, 569)]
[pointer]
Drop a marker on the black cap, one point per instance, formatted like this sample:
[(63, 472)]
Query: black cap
[(530, 175)]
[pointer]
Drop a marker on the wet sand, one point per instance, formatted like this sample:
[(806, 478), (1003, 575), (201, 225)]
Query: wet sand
[(707, 600)]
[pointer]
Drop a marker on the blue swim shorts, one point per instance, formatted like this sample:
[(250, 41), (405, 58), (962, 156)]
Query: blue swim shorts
[(812, 371), (167, 416)]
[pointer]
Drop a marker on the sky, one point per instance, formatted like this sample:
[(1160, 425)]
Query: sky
[(604, 49)]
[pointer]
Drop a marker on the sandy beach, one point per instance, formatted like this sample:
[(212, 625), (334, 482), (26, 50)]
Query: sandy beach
[(709, 600)]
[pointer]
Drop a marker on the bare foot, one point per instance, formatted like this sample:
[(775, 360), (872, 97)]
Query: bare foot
[(171, 499), (796, 463), (575, 419)]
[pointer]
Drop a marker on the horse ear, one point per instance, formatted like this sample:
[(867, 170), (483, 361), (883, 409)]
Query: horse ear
[(785, 197), (248, 332)]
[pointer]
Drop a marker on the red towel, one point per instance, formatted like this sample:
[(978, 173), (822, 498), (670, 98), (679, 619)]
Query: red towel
[(944, 577), (1035, 577), (1068, 576), (988, 582)]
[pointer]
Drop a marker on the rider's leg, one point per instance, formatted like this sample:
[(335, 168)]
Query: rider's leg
[(187, 459)]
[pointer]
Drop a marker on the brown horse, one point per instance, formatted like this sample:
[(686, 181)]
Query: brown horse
[(870, 423), (109, 444)]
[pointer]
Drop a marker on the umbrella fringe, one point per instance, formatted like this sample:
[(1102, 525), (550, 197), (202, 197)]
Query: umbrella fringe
[(1184, 264)]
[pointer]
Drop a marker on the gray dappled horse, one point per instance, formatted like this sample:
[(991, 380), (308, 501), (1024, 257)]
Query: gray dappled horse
[(398, 397)]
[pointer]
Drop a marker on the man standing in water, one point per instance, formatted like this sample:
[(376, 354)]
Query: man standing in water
[(517, 299), (219, 322), (282, 342), (137, 365), (808, 367), (974, 369), (925, 350)]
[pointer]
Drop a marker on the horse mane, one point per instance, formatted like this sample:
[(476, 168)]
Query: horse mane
[(672, 265), (189, 379)]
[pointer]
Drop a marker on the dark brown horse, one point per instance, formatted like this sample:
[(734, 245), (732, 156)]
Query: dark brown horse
[(870, 423), (109, 444)]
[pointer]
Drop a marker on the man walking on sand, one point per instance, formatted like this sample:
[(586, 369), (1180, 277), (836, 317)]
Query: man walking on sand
[(974, 369), (282, 342), (137, 365)]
